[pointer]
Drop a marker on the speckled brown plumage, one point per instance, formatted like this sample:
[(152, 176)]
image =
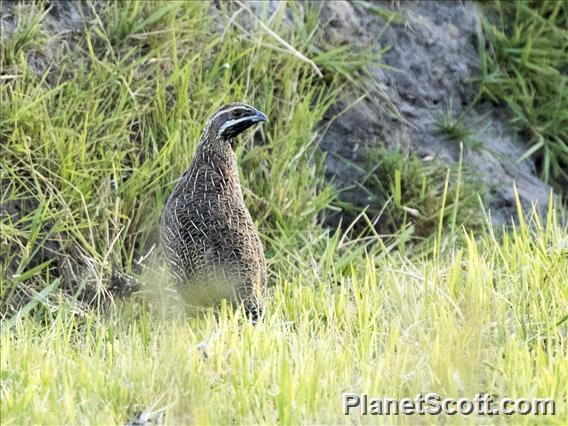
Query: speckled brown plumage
[(207, 233)]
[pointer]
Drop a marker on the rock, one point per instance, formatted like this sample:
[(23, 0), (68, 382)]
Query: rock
[(340, 22), (434, 55)]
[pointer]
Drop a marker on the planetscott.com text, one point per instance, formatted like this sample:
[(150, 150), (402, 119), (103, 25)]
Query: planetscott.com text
[(433, 404)]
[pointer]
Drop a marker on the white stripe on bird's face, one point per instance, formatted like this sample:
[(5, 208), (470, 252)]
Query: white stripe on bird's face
[(231, 123), (223, 111)]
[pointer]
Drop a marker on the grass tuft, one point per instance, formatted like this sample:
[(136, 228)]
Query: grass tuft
[(27, 36), (405, 191), (455, 129), (525, 67)]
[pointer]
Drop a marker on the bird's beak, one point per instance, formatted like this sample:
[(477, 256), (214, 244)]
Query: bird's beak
[(260, 116)]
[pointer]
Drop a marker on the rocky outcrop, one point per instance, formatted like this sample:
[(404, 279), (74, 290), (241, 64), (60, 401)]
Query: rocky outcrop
[(432, 64)]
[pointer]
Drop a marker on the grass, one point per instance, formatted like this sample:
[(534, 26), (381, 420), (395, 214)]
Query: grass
[(455, 129), (407, 193), (27, 36), (525, 67), (92, 146), (484, 317)]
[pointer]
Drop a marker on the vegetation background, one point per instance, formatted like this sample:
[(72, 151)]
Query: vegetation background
[(94, 132)]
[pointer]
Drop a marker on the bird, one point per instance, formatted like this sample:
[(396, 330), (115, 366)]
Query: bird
[(207, 233)]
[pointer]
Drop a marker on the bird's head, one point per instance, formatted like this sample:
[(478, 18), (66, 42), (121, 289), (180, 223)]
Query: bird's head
[(231, 120)]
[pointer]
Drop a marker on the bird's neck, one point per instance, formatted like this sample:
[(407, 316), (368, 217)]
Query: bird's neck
[(220, 156)]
